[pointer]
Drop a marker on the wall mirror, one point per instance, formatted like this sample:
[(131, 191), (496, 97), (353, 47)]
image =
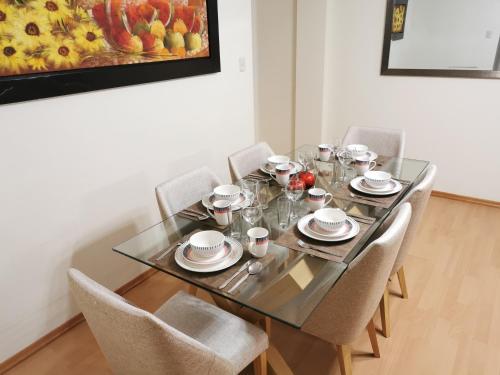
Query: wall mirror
[(442, 38)]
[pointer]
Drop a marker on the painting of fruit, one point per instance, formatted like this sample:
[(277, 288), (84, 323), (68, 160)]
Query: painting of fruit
[(40, 36)]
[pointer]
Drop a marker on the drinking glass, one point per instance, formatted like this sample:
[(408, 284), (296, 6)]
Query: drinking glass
[(302, 158), (284, 207), (309, 156), (346, 160), (249, 189), (252, 214), (236, 225), (263, 193), (294, 190)]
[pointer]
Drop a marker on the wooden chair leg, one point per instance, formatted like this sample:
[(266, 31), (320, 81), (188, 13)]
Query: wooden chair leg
[(260, 364), (402, 282), (384, 313), (344, 354), (192, 289), (267, 326), (373, 338)]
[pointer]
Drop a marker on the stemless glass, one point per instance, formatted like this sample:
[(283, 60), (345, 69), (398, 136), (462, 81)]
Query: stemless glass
[(294, 190), (284, 207), (249, 189), (252, 214), (263, 193)]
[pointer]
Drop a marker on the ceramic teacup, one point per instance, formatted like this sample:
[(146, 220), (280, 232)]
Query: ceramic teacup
[(363, 164), (377, 179), (259, 240), (357, 149), (223, 214), (283, 173), (325, 151), (227, 192), (316, 198)]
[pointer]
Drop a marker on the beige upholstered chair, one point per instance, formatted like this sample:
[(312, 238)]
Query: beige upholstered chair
[(248, 160), (182, 191), (387, 142), (418, 197), (185, 336), (350, 305)]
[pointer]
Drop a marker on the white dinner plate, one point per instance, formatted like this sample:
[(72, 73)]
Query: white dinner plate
[(295, 168), (234, 255), (208, 200), (304, 228), (394, 187)]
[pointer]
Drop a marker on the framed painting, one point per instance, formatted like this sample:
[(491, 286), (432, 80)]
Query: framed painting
[(399, 19), (58, 47)]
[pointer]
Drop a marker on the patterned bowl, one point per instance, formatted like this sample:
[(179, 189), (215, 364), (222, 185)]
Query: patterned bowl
[(207, 244), (227, 193), (330, 219), (377, 179), (357, 150)]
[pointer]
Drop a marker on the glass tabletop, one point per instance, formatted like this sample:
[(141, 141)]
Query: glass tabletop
[(293, 283)]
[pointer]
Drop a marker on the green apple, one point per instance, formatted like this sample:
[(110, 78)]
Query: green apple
[(193, 41), (174, 40)]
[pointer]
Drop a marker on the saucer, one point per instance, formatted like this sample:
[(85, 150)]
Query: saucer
[(370, 154), (342, 231), (390, 186), (208, 200), (303, 227), (295, 168), (231, 255), (191, 256), (394, 187)]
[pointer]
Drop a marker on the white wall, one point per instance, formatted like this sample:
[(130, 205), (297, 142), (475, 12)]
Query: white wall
[(455, 123), (448, 33), (78, 176), (311, 48), (274, 56)]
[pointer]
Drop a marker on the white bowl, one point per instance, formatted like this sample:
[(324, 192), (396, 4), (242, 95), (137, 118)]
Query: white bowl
[(377, 179), (207, 244), (227, 193), (357, 149), (278, 159), (330, 219)]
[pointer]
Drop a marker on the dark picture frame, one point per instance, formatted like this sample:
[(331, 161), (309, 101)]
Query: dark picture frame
[(451, 73), (45, 85)]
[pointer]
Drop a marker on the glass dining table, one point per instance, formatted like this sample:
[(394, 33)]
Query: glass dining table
[(294, 282)]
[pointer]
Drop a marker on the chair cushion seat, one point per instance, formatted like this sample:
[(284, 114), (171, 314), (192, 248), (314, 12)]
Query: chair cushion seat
[(232, 338)]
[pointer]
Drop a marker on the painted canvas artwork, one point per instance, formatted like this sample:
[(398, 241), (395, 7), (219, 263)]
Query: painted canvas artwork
[(38, 36)]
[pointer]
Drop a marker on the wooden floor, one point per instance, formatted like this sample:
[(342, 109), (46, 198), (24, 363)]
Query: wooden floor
[(449, 325)]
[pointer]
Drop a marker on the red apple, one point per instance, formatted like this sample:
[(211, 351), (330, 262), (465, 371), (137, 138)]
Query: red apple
[(308, 178)]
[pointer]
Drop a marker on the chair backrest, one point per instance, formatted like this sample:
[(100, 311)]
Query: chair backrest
[(387, 142), (243, 162), (346, 310), (418, 197), (180, 192), (137, 342)]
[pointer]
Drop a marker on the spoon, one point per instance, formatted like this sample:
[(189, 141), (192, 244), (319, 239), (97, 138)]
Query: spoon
[(254, 269)]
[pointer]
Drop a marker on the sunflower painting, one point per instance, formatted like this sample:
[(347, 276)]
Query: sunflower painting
[(38, 36)]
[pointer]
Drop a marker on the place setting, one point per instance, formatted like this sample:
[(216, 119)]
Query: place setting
[(326, 231), (218, 205)]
